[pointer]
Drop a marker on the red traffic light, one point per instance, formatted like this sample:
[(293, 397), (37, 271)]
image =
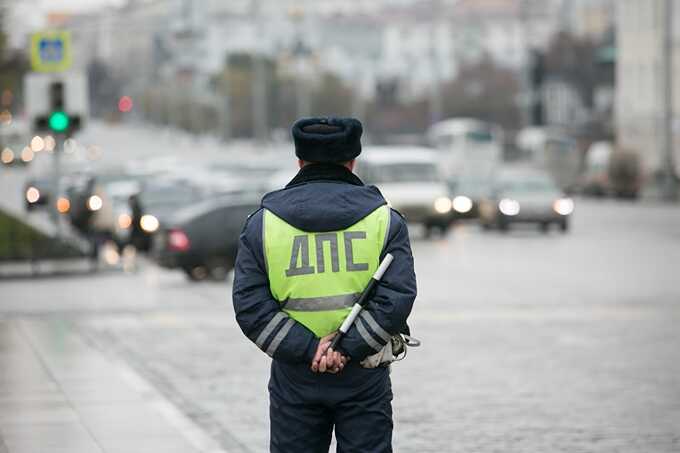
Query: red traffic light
[(125, 104)]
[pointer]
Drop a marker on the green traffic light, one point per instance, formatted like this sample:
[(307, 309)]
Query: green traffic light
[(59, 121)]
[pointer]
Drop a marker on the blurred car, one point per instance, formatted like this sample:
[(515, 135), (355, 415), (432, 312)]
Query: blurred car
[(525, 196), (114, 218), (202, 240), (466, 194), (552, 150), (611, 171), (595, 179), (241, 177), (625, 173), (82, 202), (156, 202), (14, 144), (409, 179), (38, 192)]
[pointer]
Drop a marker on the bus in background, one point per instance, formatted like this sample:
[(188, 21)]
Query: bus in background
[(469, 146), (553, 151)]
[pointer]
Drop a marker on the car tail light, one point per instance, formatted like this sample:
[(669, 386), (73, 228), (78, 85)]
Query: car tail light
[(178, 241)]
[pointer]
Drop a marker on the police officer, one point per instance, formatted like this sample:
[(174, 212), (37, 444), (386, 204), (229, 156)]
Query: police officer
[(303, 258)]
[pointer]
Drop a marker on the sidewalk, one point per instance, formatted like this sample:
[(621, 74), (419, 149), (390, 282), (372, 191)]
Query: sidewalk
[(60, 395)]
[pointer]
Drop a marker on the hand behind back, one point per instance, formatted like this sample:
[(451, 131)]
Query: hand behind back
[(326, 360)]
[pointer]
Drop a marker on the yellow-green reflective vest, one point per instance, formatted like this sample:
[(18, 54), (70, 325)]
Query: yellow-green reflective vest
[(318, 276)]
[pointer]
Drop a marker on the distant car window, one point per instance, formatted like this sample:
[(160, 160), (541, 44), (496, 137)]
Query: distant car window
[(479, 136), (528, 185), (470, 186), (403, 172)]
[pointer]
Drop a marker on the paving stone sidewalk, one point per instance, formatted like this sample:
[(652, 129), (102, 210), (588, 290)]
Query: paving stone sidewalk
[(58, 394)]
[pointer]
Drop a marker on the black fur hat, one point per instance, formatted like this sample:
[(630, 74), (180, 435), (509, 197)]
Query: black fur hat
[(327, 139)]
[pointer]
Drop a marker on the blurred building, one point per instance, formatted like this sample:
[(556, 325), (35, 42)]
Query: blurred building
[(411, 46), (588, 18), (640, 92), (562, 103)]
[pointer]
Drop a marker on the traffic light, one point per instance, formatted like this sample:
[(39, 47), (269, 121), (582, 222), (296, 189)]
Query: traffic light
[(57, 119)]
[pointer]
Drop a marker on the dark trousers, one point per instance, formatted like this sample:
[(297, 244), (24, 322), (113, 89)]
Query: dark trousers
[(305, 407)]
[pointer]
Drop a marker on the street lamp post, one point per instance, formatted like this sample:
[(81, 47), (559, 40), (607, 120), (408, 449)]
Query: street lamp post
[(259, 92), (670, 189)]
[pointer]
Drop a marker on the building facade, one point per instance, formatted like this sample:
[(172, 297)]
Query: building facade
[(640, 88)]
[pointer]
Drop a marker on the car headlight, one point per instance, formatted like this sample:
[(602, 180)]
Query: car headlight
[(63, 205), (149, 223), (462, 204), (32, 194), (442, 205), (94, 203), (563, 206), (509, 206), (27, 154), (124, 221), (7, 156)]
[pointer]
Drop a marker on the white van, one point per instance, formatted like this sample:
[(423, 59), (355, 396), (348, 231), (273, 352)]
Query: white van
[(410, 181)]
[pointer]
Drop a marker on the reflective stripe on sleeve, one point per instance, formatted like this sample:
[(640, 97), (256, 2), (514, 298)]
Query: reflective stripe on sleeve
[(370, 320), (387, 228), (367, 336), (321, 303), (264, 241), (269, 328), (274, 345)]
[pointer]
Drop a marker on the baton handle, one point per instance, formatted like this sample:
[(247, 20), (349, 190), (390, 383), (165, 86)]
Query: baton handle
[(362, 300)]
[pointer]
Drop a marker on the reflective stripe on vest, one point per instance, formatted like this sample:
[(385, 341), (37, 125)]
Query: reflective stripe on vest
[(318, 276)]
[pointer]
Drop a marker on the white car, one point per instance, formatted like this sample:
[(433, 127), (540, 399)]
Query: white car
[(409, 179)]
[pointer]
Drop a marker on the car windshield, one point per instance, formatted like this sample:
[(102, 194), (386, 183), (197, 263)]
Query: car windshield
[(403, 172), (470, 186), (479, 136), (528, 185)]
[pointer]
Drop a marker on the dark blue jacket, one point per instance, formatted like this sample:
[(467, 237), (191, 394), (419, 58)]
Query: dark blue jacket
[(322, 197)]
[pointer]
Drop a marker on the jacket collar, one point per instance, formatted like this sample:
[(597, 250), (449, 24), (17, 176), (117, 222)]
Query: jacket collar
[(325, 172)]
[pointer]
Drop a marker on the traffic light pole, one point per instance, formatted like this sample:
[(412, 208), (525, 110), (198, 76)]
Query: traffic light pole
[(670, 186), (56, 161)]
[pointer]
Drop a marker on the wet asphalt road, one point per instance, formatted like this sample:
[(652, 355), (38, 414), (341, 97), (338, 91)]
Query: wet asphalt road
[(532, 342)]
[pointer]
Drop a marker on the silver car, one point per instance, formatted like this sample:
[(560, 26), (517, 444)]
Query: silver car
[(525, 196)]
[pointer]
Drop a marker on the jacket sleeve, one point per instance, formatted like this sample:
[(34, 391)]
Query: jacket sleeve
[(386, 313), (257, 312)]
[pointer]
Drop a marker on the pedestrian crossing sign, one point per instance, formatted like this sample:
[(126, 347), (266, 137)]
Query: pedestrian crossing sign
[(51, 51)]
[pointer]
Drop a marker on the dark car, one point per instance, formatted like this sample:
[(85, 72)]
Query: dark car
[(525, 196), (202, 240), (38, 192), (157, 202)]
